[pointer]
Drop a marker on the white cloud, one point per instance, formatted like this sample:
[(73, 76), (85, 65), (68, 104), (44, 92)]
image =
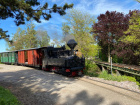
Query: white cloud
[(96, 7), (42, 22)]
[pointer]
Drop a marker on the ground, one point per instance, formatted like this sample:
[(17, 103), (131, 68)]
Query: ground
[(36, 87)]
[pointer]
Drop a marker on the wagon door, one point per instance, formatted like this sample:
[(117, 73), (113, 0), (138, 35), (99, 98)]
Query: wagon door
[(35, 56)]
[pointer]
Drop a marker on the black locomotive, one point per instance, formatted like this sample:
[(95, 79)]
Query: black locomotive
[(63, 61)]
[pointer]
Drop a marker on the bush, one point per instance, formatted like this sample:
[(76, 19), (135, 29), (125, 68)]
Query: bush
[(91, 68), (7, 98)]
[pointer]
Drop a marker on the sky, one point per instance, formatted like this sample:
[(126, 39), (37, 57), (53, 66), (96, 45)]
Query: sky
[(93, 7)]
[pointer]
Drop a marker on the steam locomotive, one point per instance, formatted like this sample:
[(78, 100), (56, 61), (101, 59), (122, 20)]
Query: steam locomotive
[(58, 60)]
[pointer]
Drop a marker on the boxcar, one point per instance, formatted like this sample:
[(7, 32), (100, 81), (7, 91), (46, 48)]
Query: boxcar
[(9, 57), (30, 57), (4, 57), (12, 57)]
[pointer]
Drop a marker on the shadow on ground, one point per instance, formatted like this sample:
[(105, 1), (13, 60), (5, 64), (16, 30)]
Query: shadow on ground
[(36, 87)]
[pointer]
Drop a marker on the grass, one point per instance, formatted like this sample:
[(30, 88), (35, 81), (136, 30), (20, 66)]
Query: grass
[(119, 78), (7, 98), (93, 71)]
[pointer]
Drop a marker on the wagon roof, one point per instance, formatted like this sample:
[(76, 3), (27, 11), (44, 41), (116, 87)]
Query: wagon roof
[(27, 49)]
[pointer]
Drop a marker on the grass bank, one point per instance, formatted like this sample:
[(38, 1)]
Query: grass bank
[(7, 98), (94, 71)]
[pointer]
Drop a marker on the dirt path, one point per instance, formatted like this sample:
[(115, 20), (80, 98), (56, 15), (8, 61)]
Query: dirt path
[(35, 87)]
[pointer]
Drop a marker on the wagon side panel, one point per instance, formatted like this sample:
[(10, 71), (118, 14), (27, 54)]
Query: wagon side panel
[(21, 57)]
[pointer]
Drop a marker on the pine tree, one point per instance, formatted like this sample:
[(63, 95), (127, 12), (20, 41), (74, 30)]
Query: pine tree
[(24, 10)]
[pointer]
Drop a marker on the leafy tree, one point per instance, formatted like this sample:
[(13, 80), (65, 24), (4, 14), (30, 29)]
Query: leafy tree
[(78, 25), (42, 38), (133, 32), (131, 39), (24, 10), (30, 36), (109, 29), (18, 41), (24, 39)]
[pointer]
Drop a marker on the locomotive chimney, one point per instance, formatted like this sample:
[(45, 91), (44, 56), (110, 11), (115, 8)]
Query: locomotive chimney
[(72, 43)]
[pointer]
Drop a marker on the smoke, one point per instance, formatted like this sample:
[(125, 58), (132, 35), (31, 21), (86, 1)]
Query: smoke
[(67, 37)]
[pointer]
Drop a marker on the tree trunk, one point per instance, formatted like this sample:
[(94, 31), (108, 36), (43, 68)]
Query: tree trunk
[(109, 53)]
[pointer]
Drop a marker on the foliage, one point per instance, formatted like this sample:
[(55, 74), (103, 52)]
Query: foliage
[(114, 77), (133, 32), (30, 37), (77, 26), (103, 55), (116, 59), (24, 10), (91, 68), (24, 39), (7, 98), (18, 41), (109, 29), (42, 38), (138, 1)]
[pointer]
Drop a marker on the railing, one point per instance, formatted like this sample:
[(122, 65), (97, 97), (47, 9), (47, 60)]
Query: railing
[(135, 70)]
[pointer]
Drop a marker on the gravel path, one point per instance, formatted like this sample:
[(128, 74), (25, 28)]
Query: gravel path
[(35, 87), (132, 86)]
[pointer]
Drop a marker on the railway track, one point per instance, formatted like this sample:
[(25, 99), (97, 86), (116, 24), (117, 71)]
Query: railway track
[(132, 69)]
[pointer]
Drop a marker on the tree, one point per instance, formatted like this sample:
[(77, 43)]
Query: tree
[(131, 39), (18, 41), (30, 36), (24, 39), (133, 32), (78, 25), (24, 10), (42, 38), (109, 29)]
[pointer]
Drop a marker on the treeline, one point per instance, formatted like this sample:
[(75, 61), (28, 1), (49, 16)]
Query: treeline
[(28, 38), (118, 36), (112, 34)]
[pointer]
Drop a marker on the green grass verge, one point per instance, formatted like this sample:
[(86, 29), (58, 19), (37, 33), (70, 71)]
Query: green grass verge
[(7, 98), (94, 71), (119, 78)]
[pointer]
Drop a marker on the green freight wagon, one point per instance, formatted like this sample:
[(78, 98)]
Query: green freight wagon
[(9, 57), (4, 57), (12, 57)]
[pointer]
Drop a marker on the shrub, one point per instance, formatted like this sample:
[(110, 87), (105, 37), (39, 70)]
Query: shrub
[(91, 68)]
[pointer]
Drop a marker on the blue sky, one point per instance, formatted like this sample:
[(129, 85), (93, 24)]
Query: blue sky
[(93, 7)]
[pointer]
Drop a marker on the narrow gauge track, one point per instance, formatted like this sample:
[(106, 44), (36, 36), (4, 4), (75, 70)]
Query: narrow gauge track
[(132, 69)]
